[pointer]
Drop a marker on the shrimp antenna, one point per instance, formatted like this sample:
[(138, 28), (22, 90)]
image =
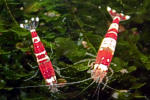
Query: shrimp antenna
[(109, 87), (57, 85), (85, 89), (71, 83)]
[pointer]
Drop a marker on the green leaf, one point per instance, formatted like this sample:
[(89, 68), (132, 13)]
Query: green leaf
[(140, 96), (33, 7), (67, 47), (2, 83), (147, 65), (19, 31), (81, 67), (2, 28), (138, 85), (118, 64), (144, 58), (131, 68)]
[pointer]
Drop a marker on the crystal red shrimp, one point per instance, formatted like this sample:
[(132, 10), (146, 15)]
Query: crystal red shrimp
[(107, 47), (43, 60)]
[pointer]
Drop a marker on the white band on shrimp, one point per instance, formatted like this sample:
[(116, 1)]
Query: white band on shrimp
[(55, 78), (45, 58), (95, 66), (108, 42), (103, 67), (36, 39), (114, 26), (50, 80), (43, 52), (32, 30)]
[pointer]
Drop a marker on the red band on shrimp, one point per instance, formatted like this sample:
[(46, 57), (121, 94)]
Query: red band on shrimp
[(112, 13), (38, 47), (47, 70), (104, 57), (34, 34), (113, 29), (41, 56), (111, 35), (116, 20)]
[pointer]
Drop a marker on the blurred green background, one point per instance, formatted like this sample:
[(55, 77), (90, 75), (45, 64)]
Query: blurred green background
[(71, 31)]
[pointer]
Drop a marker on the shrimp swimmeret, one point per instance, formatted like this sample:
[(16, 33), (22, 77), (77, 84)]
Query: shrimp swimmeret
[(107, 47)]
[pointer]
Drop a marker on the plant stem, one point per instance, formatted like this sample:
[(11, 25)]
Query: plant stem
[(10, 12)]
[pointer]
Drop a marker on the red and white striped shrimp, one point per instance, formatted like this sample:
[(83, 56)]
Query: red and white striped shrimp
[(103, 59), (107, 47), (43, 60)]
